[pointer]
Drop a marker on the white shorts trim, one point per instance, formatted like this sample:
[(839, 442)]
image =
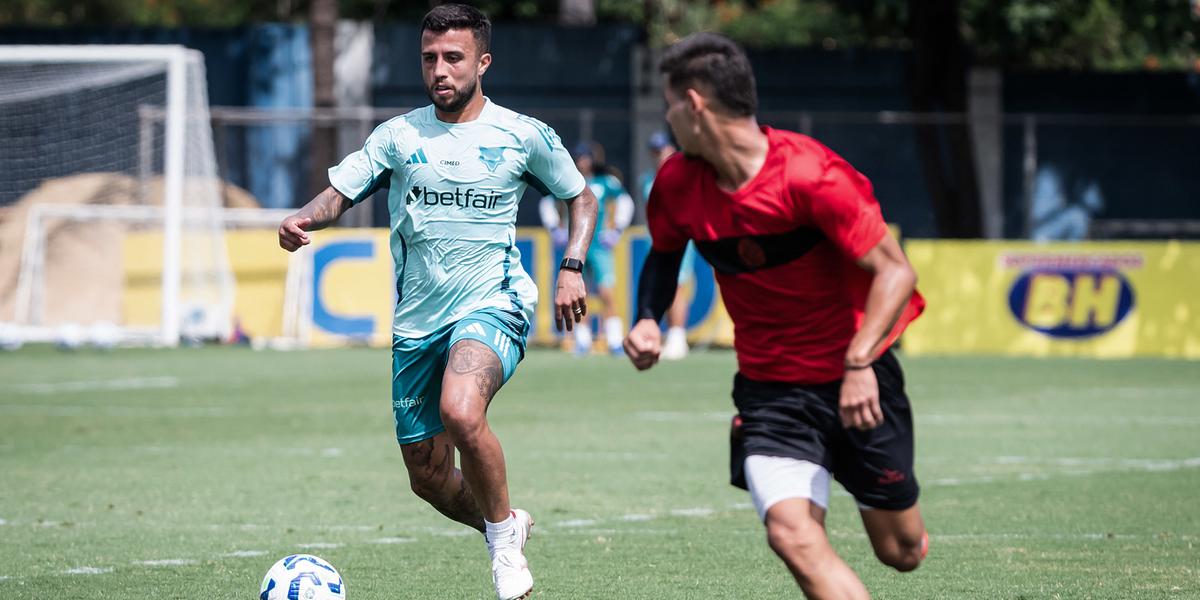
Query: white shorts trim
[(775, 478)]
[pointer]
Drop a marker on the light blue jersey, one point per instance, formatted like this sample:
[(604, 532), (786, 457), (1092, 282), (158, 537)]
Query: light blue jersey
[(454, 189), (608, 191)]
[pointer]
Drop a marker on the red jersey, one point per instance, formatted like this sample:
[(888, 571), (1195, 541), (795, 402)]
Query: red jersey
[(783, 248)]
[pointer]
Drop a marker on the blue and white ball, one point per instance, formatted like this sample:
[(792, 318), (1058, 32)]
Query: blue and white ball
[(302, 577)]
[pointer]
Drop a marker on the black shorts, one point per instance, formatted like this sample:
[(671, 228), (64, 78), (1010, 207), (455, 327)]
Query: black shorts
[(802, 422)]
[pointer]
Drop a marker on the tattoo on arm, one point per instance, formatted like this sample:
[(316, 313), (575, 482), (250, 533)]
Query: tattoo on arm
[(325, 208), (473, 357)]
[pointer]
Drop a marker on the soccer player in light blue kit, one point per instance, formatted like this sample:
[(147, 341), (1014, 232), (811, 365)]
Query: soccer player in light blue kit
[(456, 171), (615, 213)]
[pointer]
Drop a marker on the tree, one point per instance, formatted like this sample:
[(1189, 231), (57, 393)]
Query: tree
[(938, 83), (576, 13), (322, 31)]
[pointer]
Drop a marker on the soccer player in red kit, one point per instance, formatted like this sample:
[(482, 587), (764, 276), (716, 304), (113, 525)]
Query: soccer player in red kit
[(818, 291)]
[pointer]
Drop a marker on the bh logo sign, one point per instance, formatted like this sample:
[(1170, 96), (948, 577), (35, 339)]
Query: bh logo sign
[(1071, 298)]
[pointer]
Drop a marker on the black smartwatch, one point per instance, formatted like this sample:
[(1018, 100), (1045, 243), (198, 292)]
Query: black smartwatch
[(571, 264)]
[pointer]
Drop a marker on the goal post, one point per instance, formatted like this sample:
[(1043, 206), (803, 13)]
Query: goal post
[(112, 84)]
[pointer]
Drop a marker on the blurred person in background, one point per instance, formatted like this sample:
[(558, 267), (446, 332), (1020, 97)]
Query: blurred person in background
[(455, 172), (676, 345), (818, 291), (615, 214)]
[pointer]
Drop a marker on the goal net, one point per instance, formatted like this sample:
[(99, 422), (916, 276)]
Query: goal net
[(111, 210)]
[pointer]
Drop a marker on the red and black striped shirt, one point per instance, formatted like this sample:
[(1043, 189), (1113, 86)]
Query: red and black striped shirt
[(783, 248)]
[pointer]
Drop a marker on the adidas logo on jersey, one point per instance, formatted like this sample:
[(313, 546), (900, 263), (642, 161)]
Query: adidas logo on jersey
[(417, 158), (468, 198)]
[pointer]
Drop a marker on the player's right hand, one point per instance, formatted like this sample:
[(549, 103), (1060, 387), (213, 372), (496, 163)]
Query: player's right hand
[(293, 233), (643, 344)]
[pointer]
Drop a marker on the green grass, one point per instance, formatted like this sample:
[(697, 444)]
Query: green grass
[(1042, 479)]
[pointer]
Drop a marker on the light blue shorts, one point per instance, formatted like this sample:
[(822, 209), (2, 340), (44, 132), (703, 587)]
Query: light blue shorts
[(599, 266), (418, 365)]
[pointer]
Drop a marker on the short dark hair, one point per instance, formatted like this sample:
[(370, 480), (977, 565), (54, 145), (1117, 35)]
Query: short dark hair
[(718, 64), (445, 17)]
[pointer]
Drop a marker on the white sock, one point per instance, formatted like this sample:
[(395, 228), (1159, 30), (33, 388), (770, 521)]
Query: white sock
[(500, 536), (583, 337), (676, 335), (613, 332)]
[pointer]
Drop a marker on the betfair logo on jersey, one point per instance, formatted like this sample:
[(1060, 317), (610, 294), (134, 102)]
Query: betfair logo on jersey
[(1077, 300), (460, 198)]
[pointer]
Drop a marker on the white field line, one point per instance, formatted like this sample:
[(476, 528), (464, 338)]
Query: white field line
[(953, 419), (88, 571), (576, 527), (244, 554), (1081, 466), (166, 562), (692, 512), (575, 523), (636, 518), (84, 410), (1056, 420), (117, 385), (1075, 468)]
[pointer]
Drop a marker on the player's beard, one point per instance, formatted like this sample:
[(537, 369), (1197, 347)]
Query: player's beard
[(456, 102)]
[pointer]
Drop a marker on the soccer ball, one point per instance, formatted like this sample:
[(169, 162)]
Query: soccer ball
[(302, 577)]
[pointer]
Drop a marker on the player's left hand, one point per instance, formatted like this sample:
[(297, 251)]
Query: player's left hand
[(570, 299), (859, 403)]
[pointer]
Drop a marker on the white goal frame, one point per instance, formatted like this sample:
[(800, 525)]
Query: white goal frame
[(175, 60)]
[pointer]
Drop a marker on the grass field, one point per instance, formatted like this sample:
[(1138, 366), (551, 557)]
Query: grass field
[(186, 473)]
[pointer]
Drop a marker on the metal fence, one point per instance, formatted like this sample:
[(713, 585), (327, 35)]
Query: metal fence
[(1041, 176)]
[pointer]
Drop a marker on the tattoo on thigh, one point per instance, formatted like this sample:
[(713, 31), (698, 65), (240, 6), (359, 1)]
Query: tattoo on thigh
[(473, 357), (467, 357), (489, 379)]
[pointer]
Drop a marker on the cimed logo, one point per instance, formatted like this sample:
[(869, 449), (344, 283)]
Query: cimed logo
[(491, 157)]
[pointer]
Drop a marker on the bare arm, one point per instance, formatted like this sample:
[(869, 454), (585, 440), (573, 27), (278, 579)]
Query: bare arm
[(891, 288), (584, 209), (890, 291), (320, 212), (570, 296)]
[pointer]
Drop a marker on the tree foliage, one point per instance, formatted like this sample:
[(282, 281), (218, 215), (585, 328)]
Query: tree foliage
[(1103, 34), (1097, 34)]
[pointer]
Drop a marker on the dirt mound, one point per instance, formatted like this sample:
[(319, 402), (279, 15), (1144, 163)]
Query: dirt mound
[(83, 273)]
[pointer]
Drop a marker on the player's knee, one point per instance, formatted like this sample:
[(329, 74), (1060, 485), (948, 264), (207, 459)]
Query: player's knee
[(901, 554), (801, 545), (463, 422)]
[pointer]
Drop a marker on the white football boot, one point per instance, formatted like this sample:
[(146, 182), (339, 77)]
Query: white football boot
[(510, 570)]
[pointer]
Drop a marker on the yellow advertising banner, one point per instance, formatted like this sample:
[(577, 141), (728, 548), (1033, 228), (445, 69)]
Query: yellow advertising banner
[(1095, 299), (348, 292)]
